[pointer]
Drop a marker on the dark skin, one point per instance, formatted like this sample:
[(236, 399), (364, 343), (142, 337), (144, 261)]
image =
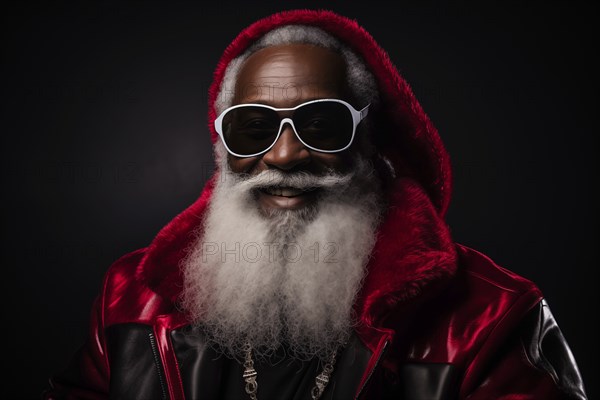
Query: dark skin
[(285, 76)]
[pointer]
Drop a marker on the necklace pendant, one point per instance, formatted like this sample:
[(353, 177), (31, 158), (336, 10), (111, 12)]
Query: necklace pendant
[(250, 374), (250, 379), (321, 382)]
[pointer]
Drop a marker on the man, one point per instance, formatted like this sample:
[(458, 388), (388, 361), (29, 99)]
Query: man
[(316, 263)]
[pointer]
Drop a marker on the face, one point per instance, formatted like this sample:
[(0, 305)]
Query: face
[(285, 76)]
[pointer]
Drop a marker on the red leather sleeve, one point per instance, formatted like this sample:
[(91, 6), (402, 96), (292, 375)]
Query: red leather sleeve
[(535, 362), (87, 376)]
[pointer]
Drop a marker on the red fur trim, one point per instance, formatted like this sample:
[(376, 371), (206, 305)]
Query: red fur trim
[(413, 249), (408, 138)]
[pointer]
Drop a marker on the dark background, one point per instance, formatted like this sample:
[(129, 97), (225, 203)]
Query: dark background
[(104, 140)]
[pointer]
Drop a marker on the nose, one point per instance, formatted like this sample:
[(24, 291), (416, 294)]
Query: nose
[(288, 152)]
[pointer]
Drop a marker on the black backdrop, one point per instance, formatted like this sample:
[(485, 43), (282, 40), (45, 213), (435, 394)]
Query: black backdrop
[(104, 140)]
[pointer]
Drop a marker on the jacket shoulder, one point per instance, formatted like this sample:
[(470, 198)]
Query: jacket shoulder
[(124, 267), (483, 272), (125, 297), (495, 300), (476, 309)]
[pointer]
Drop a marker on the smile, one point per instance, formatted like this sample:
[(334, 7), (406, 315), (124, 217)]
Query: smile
[(286, 191), (285, 198)]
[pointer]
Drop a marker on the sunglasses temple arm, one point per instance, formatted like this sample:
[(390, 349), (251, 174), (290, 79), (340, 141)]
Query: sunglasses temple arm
[(364, 112)]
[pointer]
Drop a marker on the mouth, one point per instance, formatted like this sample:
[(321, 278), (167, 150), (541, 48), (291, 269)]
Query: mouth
[(286, 191), (288, 198)]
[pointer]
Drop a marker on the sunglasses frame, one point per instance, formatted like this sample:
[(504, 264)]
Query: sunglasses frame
[(357, 117)]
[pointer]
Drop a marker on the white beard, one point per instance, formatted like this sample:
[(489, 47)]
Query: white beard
[(290, 277)]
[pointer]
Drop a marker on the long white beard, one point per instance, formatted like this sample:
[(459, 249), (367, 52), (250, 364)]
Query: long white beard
[(290, 277)]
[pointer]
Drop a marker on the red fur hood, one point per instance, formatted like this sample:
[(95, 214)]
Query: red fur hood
[(413, 247)]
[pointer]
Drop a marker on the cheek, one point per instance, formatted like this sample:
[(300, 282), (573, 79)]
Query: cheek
[(242, 165), (339, 162)]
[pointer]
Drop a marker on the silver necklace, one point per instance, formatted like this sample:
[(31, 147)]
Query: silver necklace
[(250, 376)]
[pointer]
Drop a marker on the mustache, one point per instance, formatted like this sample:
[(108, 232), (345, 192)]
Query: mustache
[(300, 180)]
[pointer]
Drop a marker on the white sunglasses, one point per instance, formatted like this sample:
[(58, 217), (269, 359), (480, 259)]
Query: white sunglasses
[(325, 125)]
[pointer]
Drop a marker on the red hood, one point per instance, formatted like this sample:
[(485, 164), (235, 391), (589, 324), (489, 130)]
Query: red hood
[(414, 246), (408, 138)]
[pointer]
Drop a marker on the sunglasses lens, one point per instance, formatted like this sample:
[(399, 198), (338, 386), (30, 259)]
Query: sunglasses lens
[(250, 130), (325, 125)]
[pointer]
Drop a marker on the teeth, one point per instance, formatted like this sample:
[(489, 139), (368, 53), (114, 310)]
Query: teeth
[(290, 192), (286, 192), (273, 191)]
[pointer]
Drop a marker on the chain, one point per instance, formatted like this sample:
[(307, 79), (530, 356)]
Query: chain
[(250, 376)]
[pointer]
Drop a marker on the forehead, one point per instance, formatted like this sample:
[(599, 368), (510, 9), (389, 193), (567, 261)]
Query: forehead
[(287, 75)]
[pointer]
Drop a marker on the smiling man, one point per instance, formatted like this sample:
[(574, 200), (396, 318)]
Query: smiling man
[(293, 216), (316, 264)]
